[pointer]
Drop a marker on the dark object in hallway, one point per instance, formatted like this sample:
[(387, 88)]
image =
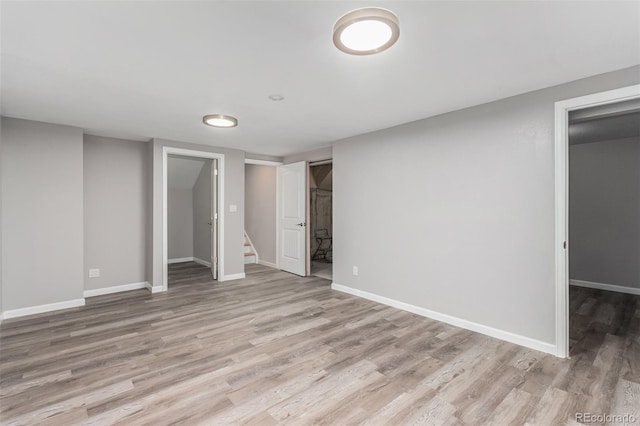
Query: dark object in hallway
[(324, 245)]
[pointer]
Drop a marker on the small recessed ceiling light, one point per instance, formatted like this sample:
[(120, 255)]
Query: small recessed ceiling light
[(366, 31), (276, 97), (220, 120)]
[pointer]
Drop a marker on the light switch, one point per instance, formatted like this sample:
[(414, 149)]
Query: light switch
[(233, 208)]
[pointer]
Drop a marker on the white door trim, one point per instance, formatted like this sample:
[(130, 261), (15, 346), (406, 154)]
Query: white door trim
[(262, 162), (213, 220), (277, 219), (562, 109), (166, 151)]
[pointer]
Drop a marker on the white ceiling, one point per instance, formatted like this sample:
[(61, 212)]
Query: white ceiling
[(154, 68), (182, 172)]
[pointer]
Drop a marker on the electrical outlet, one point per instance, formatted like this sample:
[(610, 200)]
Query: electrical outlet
[(355, 271), (94, 273)]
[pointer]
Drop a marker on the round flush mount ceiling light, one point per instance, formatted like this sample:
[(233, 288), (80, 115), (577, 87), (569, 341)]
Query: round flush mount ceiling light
[(276, 97), (220, 120), (366, 31)]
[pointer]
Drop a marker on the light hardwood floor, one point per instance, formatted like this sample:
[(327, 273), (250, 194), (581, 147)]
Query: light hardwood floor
[(279, 349)]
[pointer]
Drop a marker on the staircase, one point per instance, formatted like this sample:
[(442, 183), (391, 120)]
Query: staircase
[(250, 253)]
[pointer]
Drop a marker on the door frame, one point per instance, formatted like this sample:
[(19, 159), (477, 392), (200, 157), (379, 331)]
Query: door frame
[(166, 151), (562, 109), (213, 217), (268, 163), (309, 165)]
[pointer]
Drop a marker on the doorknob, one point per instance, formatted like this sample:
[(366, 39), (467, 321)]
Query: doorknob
[(301, 224)]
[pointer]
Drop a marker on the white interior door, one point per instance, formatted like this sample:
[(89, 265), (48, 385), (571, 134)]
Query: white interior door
[(214, 219), (292, 216)]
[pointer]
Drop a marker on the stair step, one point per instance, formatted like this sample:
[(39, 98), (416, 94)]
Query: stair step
[(249, 254)]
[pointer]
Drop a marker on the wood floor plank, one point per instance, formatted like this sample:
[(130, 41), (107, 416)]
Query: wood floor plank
[(514, 409), (626, 400)]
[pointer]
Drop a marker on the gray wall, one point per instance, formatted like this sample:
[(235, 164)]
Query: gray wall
[(115, 211), (202, 214), (604, 212), (180, 217), (42, 222), (42, 216), (315, 155), (234, 194), (460, 217), (260, 209)]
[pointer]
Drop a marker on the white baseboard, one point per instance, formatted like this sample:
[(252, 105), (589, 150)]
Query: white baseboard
[(607, 287), (152, 288), (231, 277), (32, 310), (269, 264), (458, 322), (115, 289), (202, 262), (180, 260), (189, 259)]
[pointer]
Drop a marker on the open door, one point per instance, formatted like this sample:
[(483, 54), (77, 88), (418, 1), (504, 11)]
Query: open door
[(214, 219), (291, 219)]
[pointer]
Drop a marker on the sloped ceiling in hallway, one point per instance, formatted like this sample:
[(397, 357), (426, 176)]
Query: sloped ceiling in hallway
[(182, 172)]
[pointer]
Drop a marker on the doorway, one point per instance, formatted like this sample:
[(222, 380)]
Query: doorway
[(321, 219), (580, 122), (192, 193), (260, 182), (604, 224), (190, 199), (304, 218)]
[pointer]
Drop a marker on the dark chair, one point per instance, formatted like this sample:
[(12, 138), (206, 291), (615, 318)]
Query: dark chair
[(325, 243)]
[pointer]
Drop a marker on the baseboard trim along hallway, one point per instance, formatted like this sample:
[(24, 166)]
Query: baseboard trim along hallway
[(606, 287), (115, 289), (231, 277), (39, 309), (189, 259), (202, 262), (153, 289), (458, 322), (180, 260), (268, 264)]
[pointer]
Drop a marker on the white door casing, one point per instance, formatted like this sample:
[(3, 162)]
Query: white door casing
[(562, 109), (214, 219), (291, 219), (169, 150)]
